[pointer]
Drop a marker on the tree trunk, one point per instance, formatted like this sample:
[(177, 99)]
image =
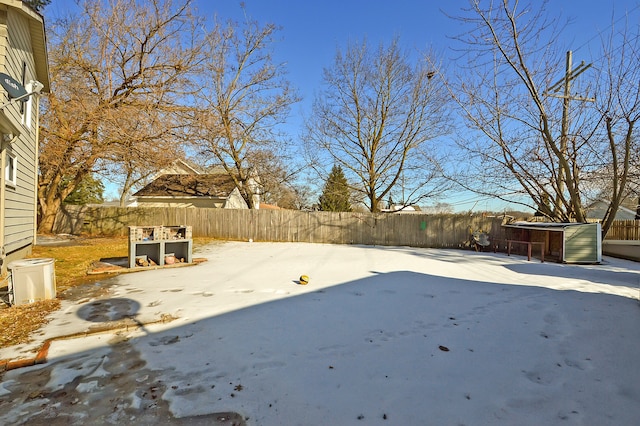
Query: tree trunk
[(49, 211), (126, 187), (375, 205), (247, 194), (249, 201)]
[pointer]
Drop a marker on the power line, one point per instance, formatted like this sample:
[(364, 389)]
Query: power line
[(482, 199), (626, 15)]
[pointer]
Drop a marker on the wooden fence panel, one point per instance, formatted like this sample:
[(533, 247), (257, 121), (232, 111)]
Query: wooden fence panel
[(417, 230), (624, 230)]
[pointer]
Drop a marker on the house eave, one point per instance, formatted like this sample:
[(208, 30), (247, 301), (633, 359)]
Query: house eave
[(38, 39)]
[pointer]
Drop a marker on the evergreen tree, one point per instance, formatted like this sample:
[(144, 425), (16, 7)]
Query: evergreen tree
[(89, 191), (335, 195)]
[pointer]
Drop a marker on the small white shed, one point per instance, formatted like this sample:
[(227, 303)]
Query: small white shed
[(569, 242)]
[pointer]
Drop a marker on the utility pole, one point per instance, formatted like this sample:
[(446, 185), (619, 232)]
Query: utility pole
[(565, 84)]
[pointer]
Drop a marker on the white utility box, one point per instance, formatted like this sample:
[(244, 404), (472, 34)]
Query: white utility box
[(32, 280)]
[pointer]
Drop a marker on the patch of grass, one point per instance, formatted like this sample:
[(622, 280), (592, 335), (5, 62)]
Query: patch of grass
[(72, 261)]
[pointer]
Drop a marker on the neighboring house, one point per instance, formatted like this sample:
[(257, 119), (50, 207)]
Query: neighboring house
[(598, 208), (182, 184), (179, 167), (191, 190), (23, 58)]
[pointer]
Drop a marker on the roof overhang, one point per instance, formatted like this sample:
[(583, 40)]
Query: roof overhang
[(544, 226), (38, 40)]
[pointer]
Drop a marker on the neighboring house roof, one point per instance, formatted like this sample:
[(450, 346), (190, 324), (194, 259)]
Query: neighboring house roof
[(179, 166), (181, 185), (598, 208)]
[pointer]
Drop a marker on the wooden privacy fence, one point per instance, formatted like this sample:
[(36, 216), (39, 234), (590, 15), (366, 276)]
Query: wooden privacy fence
[(624, 230), (416, 230)]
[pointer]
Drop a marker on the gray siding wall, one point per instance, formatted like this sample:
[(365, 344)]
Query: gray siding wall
[(20, 201)]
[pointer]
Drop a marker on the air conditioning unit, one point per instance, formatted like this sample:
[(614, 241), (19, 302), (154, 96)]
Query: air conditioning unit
[(32, 280)]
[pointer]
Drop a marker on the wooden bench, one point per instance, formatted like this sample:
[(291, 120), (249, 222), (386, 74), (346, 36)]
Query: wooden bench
[(529, 244)]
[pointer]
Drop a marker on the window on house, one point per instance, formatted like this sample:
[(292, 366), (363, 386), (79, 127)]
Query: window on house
[(10, 170)]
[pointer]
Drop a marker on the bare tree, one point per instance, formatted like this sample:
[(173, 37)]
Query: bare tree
[(536, 137), (146, 142), (243, 97), (114, 65), (439, 208), (618, 106), (276, 179), (375, 116)]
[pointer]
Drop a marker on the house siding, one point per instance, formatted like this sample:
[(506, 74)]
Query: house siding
[(235, 201), (18, 212)]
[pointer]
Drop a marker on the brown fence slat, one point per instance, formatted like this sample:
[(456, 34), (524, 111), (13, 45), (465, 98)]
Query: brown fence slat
[(418, 230), (624, 230)]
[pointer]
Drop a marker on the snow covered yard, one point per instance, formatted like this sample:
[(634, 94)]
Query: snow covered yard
[(380, 335)]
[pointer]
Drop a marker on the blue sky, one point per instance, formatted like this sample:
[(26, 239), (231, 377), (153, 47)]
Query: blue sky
[(312, 30)]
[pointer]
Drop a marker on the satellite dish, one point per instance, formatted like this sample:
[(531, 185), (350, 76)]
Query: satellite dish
[(12, 86)]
